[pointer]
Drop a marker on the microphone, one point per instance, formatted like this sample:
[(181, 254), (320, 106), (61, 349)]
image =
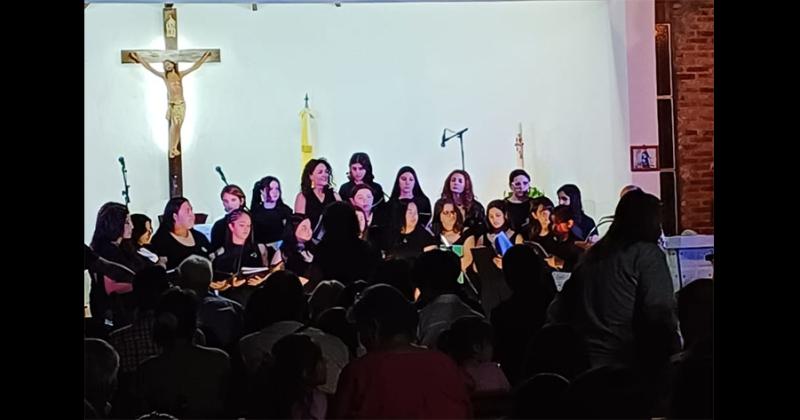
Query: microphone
[(126, 191), (221, 175), (445, 138)]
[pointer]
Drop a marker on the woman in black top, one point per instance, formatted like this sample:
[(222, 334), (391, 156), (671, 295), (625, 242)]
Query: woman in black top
[(519, 204), (541, 223), (233, 198), (458, 187), (140, 238), (450, 223), (360, 172), (142, 229), (371, 218), (406, 186), (297, 249), (270, 214), (412, 239), (496, 223), (341, 255), (315, 191), (570, 195), (561, 243), (112, 235), (110, 299), (493, 287), (239, 251), (176, 237)]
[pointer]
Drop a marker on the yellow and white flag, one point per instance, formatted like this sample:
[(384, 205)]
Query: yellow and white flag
[(306, 148)]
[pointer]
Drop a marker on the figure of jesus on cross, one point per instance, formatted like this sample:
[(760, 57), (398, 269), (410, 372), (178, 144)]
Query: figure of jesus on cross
[(176, 107), (173, 78)]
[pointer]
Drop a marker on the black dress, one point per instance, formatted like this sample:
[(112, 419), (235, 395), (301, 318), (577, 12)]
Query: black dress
[(165, 245), (269, 224), (411, 245), (315, 208), (229, 260)]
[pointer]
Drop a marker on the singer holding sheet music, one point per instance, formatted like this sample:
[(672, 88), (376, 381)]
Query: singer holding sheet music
[(486, 250), (411, 239), (239, 251), (497, 223)]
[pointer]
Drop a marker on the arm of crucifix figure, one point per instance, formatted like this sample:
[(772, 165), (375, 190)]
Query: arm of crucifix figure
[(199, 63), (135, 57)]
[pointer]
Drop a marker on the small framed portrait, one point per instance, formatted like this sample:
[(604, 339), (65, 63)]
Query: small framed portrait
[(644, 158)]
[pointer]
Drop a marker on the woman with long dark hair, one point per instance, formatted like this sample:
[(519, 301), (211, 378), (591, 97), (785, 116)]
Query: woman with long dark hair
[(458, 187), (316, 192), (113, 228), (493, 287), (406, 186), (176, 237), (297, 249), (270, 214), (341, 255), (110, 299), (570, 195), (541, 225), (411, 239), (622, 290), (239, 250), (450, 223), (359, 173)]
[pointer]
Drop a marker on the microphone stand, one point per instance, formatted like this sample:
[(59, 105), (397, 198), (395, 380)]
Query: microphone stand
[(221, 175), (126, 192), (460, 136)]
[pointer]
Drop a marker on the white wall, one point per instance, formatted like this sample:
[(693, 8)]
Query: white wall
[(382, 78)]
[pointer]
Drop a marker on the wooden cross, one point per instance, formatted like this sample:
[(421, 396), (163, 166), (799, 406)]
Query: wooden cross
[(172, 53), (520, 146)]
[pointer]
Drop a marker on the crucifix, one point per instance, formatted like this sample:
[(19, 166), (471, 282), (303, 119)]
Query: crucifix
[(176, 107), (520, 146)]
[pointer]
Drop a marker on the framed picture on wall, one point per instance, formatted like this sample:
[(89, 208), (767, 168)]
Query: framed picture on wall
[(644, 158)]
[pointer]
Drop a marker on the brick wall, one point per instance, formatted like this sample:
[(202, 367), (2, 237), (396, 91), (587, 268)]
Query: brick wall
[(693, 81)]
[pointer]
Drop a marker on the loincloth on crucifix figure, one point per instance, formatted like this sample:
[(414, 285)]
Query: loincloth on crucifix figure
[(175, 112)]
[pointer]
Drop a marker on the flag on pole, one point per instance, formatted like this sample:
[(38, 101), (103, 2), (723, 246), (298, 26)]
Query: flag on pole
[(306, 149)]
